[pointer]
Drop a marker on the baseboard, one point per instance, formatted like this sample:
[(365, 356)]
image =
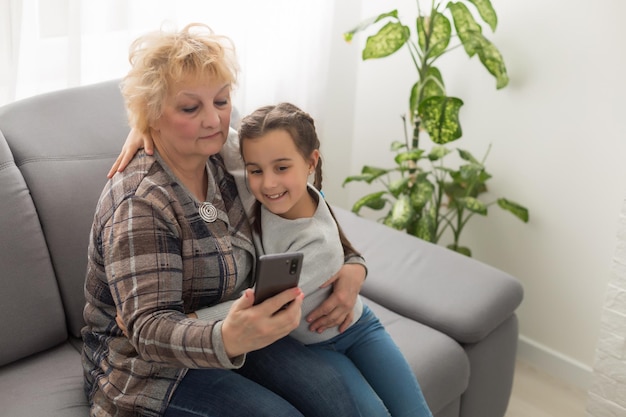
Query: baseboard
[(554, 363)]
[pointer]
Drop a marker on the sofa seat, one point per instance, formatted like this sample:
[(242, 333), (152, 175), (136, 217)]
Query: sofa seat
[(48, 384)]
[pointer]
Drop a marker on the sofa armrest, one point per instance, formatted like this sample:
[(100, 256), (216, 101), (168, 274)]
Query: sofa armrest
[(455, 294)]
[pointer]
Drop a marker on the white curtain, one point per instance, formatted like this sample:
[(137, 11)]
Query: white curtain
[(10, 21), (282, 45)]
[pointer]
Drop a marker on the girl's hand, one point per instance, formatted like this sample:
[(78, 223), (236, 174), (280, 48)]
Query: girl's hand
[(248, 327), (134, 141), (337, 309)]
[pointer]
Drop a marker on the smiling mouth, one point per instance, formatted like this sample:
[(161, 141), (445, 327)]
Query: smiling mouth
[(275, 196)]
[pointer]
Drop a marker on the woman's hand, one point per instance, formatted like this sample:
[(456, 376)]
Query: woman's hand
[(337, 309), (134, 141), (249, 327)]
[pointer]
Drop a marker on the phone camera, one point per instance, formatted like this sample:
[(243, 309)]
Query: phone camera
[(293, 267)]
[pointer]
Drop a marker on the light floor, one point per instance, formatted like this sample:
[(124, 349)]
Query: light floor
[(537, 394)]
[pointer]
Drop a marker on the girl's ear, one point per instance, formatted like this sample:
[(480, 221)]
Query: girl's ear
[(314, 159)]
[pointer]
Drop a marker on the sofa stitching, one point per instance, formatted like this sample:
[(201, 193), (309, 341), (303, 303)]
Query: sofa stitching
[(37, 159), (7, 165)]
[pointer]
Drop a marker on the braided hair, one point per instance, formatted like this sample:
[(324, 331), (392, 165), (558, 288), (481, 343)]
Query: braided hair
[(301, 127)]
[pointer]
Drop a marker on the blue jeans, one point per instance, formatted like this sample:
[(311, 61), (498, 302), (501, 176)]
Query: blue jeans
[(375, 370), (284, 379)]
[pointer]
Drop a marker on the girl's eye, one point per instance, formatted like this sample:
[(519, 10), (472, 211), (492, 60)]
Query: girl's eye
[(254, 171), (221, 103), (282, 168)]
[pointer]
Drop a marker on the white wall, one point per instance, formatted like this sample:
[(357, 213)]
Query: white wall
[(559, 147)]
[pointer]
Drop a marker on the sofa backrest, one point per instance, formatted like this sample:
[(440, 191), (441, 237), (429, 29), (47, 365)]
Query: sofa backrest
[(62, 145), (30, 304)]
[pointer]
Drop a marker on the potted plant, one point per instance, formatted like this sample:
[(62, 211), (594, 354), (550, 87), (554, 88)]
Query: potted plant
[(423, 196)]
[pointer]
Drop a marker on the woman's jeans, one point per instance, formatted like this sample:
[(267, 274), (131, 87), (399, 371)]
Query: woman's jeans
[(284, 379), (375, 369)]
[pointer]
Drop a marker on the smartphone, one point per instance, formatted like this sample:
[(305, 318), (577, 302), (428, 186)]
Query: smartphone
[(275, 273)]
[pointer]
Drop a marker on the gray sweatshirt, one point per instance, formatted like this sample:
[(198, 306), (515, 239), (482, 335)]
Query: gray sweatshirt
[(318, 238)]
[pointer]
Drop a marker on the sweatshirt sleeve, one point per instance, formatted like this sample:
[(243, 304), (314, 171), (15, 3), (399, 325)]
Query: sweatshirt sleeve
[(235, 167)]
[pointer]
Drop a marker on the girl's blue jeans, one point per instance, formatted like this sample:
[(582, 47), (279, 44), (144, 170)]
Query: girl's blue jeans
[(375, 370)]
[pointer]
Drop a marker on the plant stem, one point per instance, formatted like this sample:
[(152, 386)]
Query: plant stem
[(486, 155)]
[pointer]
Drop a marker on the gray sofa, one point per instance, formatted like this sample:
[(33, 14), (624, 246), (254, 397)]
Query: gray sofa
[(453, 317)]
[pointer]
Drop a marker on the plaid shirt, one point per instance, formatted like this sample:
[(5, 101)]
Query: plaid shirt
[(153, 259)]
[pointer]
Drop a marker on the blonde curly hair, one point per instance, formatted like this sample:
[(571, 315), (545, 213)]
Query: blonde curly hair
[(160, 59)]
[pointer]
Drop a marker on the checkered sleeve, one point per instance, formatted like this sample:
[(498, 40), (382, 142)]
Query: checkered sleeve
[(144, 269)]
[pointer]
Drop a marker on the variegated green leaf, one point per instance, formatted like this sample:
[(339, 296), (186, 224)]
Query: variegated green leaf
[(396, 145), (470, 34), (470, 172), (399, 186), (388, 40), (440, 116), (374, 201), (474, 205), (347, 36), (487, 12), (374, 171), (421, 194), (426, 227), (519, 211), (433, 34), (432, 85), (401, 213), (357, 178), (491, 59), (412, 155), (438, 152), (465, 25), (467, 156), (368, 174)]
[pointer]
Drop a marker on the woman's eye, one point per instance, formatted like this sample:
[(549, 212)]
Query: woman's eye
[(189, 109), (254, 171), (282, 168)]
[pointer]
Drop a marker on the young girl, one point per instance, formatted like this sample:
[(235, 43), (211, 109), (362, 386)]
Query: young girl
[(280, 149)]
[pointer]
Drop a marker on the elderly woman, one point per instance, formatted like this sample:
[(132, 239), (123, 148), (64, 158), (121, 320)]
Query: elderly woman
[(170, 236)]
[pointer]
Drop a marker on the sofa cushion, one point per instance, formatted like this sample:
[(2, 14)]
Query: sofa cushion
[(440, 363), (48, 384), (64, 158), (30, 304), (433, 281)]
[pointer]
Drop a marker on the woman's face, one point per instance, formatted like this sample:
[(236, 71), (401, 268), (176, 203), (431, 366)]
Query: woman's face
[(194, 121), (277, 174)]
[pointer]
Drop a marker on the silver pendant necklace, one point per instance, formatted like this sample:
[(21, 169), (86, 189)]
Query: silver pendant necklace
[(208, 212)]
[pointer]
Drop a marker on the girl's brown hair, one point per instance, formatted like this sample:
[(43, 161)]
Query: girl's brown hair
[(301, 127)]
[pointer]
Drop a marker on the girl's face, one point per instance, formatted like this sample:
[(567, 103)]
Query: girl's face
[(277, 174), (195, 121)]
